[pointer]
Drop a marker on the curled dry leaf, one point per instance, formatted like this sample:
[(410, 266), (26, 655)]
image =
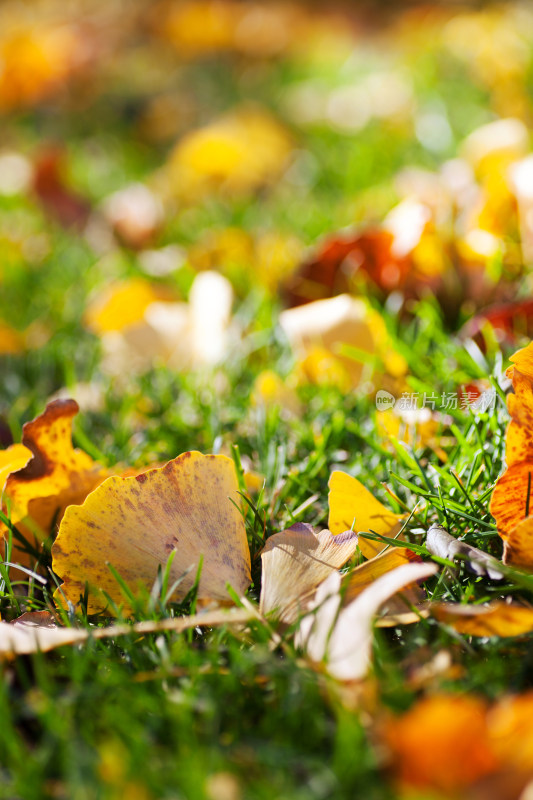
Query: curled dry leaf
[(344, 639), (295, 562), (513, 493), (53, 475), (353, 506), (440, 543), (38, 632), (135, 523), (495, 619)]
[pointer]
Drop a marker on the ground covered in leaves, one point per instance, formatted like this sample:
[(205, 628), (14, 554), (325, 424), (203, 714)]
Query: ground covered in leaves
[(263, 268)]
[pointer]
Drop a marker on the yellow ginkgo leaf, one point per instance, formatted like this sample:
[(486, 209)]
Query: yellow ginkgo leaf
[(271, 390), (237, 154), (122, 305), (56, 474), (351, 506), (134, 524), (295, 562)]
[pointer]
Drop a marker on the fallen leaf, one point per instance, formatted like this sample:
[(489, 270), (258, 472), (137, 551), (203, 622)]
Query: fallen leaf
[(509, 322), (135, 215), (340, 341), (295, 562), (496, 144), (32, 633), (122, 304), (270, 390), (417, 427), (58, 200), (202, 27), (36, 60), (357, 580), (518, 549), (236, 155), (55, 476), (135, 523), (442, 544), (494, 619), (12, 459), (441, 744), (343, 639), (333, 269), (509, 723), (139, 330), (513, 491), (351, 506), (397, 610)]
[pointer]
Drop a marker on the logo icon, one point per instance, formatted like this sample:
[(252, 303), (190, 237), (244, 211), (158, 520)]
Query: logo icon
[(384, 400)]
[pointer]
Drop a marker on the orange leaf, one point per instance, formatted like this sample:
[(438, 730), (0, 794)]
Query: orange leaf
[(442, 743), (135, 523), (513, 493), (495, 619), (55, 476), (511, 732)]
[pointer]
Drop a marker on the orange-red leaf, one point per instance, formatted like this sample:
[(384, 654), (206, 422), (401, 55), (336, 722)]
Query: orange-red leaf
[(513, 493)]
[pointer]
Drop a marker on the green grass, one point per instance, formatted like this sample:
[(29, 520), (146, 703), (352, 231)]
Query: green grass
[(156, 717)]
